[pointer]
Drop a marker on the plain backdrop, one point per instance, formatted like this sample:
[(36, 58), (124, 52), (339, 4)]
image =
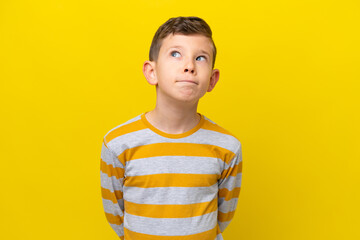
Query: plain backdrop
[(289, 90)]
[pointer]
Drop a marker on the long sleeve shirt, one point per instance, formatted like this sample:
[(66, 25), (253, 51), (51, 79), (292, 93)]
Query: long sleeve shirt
[(157, 185)]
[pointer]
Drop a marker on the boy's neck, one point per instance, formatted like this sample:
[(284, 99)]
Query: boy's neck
[(173, 120)]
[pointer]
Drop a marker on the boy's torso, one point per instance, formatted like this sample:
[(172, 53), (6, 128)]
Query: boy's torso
[(171, 180)]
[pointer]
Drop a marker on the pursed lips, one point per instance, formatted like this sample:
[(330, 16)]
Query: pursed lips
[(189, 81)]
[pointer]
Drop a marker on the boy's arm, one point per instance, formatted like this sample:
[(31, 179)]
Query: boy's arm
[(112, 176), (229, 190)]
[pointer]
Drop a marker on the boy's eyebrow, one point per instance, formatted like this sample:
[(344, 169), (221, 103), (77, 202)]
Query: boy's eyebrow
[(201, 50), (176, 46)]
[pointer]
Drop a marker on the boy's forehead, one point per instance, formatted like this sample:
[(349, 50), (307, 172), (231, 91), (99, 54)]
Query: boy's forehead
[(198, 41)]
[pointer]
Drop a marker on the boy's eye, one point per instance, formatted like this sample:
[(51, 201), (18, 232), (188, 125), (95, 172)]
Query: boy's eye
[(174, 53), (202, 57), (177, 54)]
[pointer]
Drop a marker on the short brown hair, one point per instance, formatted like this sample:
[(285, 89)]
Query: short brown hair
[(182, 25)]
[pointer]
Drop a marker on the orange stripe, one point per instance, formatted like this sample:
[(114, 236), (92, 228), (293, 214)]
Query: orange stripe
[(170, 210), (239, 170), (176, 149), (110, 170), (232, 171), (114, 219), (128, 128), (228, 195), (224, 217), (210, 234), (112, 196), (171, 180)]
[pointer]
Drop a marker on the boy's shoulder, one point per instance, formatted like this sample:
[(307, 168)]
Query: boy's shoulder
[(210, 124), (123, 128), (214, 127)]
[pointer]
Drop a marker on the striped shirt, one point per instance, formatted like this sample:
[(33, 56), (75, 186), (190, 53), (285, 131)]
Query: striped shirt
[(161, 186)]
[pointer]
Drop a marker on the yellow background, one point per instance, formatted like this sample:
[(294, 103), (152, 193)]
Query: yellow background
[(288, 89)]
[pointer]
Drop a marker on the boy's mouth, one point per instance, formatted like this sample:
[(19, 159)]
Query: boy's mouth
[(189, 81)]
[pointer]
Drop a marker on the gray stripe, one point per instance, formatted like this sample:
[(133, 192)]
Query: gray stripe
[(231, 164), (231, 182), (170, 226), (173, 164), (111, 183), (235, 160), (219, 237), (110, 207), (227, 206), (170, 195), (109, 157), (215, 138), (223, 225), (119, 229)]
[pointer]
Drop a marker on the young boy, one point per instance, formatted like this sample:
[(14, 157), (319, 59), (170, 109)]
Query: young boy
[(172, 173)]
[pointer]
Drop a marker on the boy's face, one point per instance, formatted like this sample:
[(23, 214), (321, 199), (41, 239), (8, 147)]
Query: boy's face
[(183, 70)]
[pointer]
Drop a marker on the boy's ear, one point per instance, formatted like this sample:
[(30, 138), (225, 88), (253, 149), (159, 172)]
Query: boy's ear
[(214, 79), (149, 72)]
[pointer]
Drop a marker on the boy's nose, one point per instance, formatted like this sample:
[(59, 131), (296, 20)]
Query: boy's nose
[(189, 66), (188, 69)]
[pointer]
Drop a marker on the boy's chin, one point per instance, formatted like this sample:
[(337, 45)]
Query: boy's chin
[(188, 100)]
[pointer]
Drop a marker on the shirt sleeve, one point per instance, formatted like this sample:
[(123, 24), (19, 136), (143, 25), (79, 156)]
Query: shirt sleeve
[(229, 189), (112, 176)]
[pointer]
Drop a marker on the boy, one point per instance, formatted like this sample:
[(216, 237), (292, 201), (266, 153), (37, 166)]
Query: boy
[(172, 173)]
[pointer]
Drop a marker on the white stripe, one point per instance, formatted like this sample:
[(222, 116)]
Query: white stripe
[(170, 195), (111, 183), (231, 182), (227, 206), (219, 237), (119, 229), (109, 157), (223, 225), (231, 164), (174, 164), (110, 207)]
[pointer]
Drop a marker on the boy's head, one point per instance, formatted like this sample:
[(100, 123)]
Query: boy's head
[(181, 25), (182, 58)]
